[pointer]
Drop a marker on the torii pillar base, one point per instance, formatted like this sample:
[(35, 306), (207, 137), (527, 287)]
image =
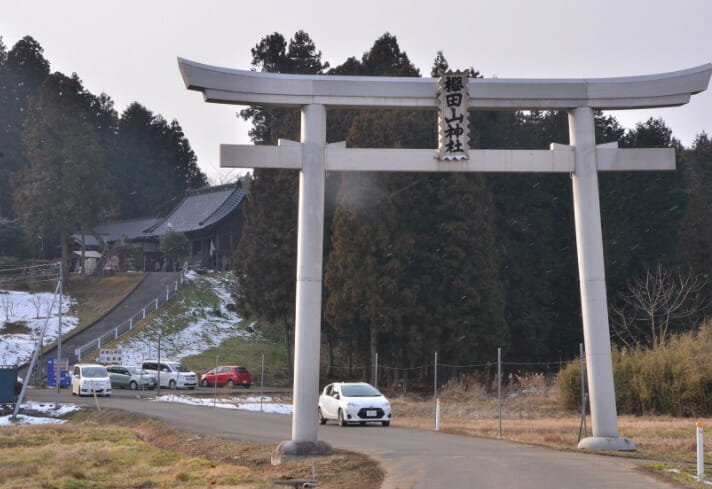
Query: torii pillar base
[(291, 451), (617, 443)]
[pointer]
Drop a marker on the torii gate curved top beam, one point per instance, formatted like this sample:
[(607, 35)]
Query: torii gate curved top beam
[(242, 87)]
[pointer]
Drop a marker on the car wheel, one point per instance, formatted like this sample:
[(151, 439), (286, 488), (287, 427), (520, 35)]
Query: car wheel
[(322, 419), (386, 423), (230, 383), (133, 385), (204, 383), (342, 421), (362, 423), (247, 386), (172, 385)]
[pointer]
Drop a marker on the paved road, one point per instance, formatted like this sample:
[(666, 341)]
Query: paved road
[(413, 459), (152, 286)]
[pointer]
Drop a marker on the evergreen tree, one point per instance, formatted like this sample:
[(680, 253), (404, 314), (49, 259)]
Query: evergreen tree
[(265, 259), (694, 245), (153, 160), (641, 212), (66, 186), (22, 71), (175, 247), (413, 268)]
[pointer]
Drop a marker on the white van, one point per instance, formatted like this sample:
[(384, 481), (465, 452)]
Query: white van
[(90, 378), (173, 375)]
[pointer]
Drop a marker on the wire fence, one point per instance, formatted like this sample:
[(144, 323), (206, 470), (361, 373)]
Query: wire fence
[(397, 378), (128, 325), (14, 276)]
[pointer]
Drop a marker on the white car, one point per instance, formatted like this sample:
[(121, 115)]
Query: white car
[(353, 402), (89, 379), (173, 375)]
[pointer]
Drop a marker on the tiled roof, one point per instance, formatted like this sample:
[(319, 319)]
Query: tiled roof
[(130, 229), (199, 209), (111, 232)]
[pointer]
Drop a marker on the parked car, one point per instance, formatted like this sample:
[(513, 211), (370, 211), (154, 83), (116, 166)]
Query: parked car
[(130, 377), (353, 402), (230, 376), (90, 378), (173, 375)]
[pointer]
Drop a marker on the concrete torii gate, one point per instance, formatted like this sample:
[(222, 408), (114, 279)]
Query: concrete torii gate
[(583, 159)]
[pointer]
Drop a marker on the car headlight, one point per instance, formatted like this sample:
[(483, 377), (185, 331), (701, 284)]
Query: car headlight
[(181, 377), (350, 405)]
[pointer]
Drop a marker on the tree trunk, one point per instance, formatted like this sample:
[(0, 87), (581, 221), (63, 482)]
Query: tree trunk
[(65, 257), (374, 351), (83, 251), (330, 355), (288, 344), (104, 256)]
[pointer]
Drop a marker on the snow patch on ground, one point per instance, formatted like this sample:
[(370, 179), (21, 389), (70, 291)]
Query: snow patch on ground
[(42, 408), (205, 329), (48, 408), (266, 407), (23, 419), (31, 309)]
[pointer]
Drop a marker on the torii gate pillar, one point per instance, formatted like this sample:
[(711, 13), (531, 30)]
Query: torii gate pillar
[(592, 278), (307, 326)]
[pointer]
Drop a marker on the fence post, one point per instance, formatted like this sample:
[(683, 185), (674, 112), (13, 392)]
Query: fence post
[(130, 323), (262, 381), (176, 286), (437, 414), (375, 372), (116, 333), (700, 453), (144, 313), (168, 291), (583, 391), (98, 343), (156, 303), (499, 389)]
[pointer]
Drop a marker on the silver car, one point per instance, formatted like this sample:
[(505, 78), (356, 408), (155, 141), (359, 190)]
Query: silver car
[(130, 377)]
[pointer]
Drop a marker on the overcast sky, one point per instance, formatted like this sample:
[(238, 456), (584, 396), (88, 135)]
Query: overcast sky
[(128, 48)]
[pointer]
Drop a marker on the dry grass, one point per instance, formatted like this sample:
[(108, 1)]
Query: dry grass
[(97, 295), (532, 414), (120, 450)]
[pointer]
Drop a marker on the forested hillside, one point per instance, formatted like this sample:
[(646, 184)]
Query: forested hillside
[(463, 263), (68, 159)]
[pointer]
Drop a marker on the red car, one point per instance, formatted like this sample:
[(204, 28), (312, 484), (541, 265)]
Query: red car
[(230, 376)]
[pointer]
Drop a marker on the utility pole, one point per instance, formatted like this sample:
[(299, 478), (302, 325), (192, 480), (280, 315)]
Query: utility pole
[(58, 363)]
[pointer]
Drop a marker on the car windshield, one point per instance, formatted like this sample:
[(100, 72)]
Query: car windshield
[(359, 390), (94, 372), (137, 371), (181, 368)]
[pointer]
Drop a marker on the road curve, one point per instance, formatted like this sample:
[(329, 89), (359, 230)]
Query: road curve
[(412, 459)]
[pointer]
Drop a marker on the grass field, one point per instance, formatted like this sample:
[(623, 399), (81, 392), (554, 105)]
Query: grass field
[(117, 450), (533, 416), (531, 409)]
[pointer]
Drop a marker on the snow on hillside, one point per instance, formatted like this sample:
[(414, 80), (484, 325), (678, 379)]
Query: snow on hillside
[(200, 321), (22, 316)]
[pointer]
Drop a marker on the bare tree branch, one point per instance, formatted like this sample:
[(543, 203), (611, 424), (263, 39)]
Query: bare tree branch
[(651, 303)]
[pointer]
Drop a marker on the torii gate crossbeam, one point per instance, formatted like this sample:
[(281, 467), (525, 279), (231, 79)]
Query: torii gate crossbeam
[(313, 157)]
